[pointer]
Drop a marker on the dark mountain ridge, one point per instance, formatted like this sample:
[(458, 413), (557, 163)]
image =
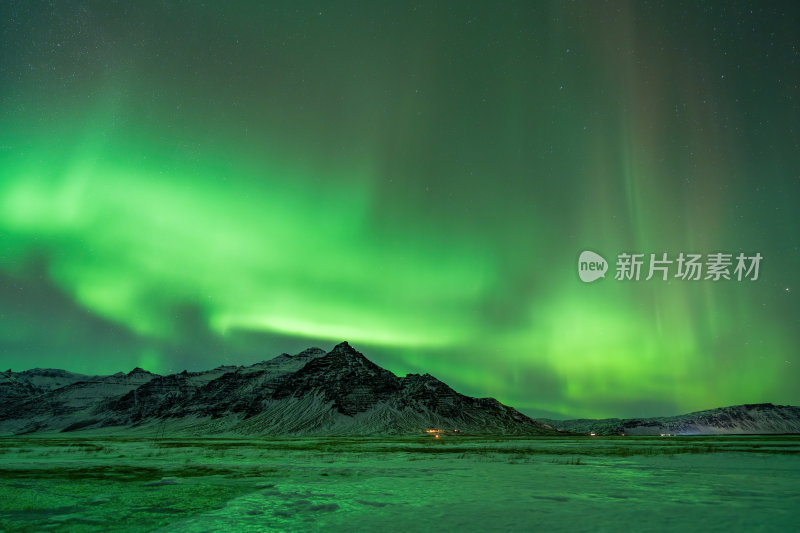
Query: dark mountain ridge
[(340, 392)]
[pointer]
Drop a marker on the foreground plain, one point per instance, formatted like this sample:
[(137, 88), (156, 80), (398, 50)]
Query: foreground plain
[(732, 483)]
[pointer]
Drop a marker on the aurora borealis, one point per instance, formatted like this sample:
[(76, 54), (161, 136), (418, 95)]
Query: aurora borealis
[(188, 184)]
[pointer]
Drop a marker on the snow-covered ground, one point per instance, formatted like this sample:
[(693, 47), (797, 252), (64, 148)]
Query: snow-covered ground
[(731, 483)]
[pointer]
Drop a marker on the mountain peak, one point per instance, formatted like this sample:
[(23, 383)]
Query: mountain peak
[(344, 347), (344, 351), (310, 353), (138, 370)]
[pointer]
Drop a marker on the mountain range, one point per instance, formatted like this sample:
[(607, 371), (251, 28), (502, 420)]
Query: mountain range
[(761, 419), (339, 392), (314, 393)]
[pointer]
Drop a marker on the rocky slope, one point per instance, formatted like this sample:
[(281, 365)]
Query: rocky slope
[(312, 393)]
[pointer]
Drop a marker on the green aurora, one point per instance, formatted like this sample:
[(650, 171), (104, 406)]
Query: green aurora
[(186, 185)]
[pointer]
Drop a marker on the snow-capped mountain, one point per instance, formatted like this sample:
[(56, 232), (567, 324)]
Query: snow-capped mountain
[(18, 386), (339, 392), (68, 405), (761, 419)]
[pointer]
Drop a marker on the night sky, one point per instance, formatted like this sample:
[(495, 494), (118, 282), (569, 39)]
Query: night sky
[(190, 184)]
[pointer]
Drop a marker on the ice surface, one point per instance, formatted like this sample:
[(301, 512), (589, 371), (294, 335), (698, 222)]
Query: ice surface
[(731, 483)]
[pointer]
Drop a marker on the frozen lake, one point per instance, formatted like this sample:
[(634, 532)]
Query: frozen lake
[(454, 482)]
